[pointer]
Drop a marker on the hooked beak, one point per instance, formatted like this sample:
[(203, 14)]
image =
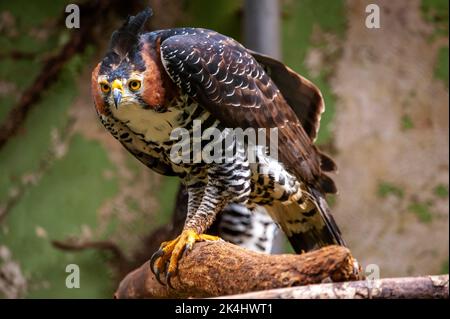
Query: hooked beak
[(117, 92), (117, 95)]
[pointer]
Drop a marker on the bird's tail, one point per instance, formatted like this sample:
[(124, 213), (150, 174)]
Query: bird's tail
[(310, 225)]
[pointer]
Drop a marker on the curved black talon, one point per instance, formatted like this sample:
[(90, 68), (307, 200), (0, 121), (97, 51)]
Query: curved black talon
[(159, 279), (186, 249), (154, 258), (169, 278)]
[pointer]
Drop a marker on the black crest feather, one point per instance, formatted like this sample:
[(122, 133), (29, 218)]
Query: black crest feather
[(125, 39)]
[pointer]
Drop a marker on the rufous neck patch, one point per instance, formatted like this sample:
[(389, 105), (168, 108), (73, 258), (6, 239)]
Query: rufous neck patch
[(95, 90), (157, 91)]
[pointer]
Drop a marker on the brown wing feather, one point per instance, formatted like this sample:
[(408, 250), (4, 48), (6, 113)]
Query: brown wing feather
[(303, 96), (225, 78)]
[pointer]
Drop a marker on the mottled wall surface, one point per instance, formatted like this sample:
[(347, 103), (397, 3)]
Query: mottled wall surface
[(63, 176), (391, 137)]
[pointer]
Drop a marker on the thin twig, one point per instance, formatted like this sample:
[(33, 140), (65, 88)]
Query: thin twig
[(99, 245)]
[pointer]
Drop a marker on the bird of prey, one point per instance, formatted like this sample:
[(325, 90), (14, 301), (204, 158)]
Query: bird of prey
[(149, 84)]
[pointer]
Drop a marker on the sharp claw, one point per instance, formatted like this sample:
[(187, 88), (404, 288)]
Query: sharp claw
[(169, 253), (169, 278), (186, 249), (154, 258), (157, 273)]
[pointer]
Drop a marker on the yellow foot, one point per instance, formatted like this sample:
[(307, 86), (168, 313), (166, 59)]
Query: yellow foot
[(165, 260)]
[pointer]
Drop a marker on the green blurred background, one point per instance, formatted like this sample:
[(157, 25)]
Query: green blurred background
[(386, 91)]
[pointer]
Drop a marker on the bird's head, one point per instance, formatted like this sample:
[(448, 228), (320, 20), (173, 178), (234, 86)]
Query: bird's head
[(129, 74), (121, 86)]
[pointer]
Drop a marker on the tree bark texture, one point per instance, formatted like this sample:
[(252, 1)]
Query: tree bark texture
[(214, 269), (425, 287)]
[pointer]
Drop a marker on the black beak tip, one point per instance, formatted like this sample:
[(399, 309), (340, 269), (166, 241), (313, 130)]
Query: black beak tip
[(117, 97)]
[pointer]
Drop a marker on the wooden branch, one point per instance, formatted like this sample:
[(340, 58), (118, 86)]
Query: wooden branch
[(425, 287), (218, 268)]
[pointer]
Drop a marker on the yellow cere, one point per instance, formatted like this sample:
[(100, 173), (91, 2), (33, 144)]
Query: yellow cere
[(117, 85)]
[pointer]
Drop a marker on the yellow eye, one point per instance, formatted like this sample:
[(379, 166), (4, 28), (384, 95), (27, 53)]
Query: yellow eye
[(134, 85), (105, 87)]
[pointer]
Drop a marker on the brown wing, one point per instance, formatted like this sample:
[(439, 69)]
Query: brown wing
[(222, 76), (303, 96)]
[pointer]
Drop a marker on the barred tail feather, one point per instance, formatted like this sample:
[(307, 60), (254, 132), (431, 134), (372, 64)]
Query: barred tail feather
[(311, 229)]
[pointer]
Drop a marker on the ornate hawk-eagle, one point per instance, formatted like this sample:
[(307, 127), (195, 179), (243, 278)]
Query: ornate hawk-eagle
[(149, 84)]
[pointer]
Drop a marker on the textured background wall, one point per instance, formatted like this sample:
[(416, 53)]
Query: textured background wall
[(386, 91)]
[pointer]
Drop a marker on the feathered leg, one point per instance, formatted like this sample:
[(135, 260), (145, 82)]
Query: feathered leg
[(203, 206)]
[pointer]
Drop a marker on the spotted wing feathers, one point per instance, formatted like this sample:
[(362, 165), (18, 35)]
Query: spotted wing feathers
[(218, 71), (222, 76), (303, 96)]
